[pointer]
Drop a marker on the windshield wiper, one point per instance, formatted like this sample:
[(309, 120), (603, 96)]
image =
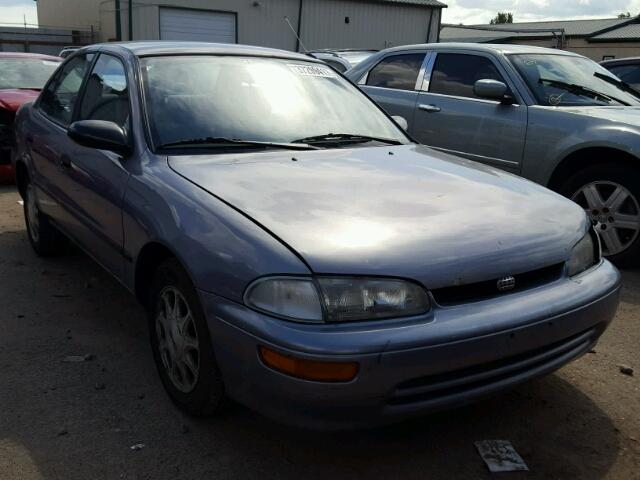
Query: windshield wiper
[(346, 138), (580, 90), (618, 83), (218, 142)]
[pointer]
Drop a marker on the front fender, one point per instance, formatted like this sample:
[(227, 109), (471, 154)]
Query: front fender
[(553, 135), (222, 250)]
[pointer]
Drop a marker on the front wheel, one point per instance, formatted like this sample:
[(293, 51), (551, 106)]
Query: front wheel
[(611, 197), (181, 343)]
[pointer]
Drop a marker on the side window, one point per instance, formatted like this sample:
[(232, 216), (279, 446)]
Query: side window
[(628, 73), (60, 96), (106, 96), (455, 74), (398, 71)]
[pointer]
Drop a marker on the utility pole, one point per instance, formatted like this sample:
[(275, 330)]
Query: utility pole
[(130, 20), (118, 23)]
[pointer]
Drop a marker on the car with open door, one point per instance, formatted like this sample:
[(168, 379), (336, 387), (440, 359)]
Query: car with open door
[(551, 116), (294, 249)]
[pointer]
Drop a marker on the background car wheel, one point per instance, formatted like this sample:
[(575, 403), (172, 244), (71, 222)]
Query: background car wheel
[(181, 343), (44, 238), (611, 197)]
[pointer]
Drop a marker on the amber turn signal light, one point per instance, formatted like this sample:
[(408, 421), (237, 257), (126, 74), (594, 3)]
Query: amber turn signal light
[(309, 369)]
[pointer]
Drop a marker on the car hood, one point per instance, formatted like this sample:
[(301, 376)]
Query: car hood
[(626, 115), (404, 211), (12, 99)]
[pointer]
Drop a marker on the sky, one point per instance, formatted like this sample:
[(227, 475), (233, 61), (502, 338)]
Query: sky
[(482, 11), (459, 11), (12, 11)]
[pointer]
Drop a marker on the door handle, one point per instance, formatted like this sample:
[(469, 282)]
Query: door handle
[(429, 108)]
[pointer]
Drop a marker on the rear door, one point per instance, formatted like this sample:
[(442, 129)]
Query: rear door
[(392, 82), (450, 117)]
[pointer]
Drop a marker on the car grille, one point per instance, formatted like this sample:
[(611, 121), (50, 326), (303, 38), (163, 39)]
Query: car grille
[(489, 376), (474, 292)]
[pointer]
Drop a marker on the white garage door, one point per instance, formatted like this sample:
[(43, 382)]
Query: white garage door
[(197, 25)]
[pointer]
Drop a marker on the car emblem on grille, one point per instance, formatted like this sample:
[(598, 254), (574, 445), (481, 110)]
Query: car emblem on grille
[(507, 283)]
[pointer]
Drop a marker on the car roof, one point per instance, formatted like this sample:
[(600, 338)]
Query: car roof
[(621, 61), (36, 56), (157, 48), (485, 47), (342, 50)]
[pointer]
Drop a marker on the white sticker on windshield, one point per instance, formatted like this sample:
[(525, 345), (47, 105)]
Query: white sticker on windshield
[(49, 62), (313, 70)]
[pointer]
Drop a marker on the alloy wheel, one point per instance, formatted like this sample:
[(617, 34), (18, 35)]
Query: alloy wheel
[(614, 212), (177, 339)]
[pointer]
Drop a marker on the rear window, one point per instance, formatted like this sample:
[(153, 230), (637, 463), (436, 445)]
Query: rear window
[(399, 72), (25, 72)]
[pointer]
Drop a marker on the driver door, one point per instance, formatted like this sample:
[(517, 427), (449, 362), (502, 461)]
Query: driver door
[(97, 179), (452, 118)]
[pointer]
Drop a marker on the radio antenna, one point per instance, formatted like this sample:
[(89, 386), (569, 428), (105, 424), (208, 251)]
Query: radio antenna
[(286, 19)]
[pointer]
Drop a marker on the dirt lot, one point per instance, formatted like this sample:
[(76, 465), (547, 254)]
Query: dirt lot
[(78, 420)]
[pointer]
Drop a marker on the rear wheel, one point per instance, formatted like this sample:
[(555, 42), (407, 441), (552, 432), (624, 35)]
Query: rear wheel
[(45, 239), (611, 197), (181, 343)]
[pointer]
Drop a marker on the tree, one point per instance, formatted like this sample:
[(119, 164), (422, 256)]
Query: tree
[(502, 18), (625, 15)]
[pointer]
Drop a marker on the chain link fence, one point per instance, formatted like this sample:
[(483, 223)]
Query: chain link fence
[(47, 40)]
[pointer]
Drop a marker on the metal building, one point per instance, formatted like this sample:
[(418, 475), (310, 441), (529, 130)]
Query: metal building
[(599, 39), (372, 24)]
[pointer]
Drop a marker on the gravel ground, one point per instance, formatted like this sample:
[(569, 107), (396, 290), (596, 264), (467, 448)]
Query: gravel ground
[(78, 420)]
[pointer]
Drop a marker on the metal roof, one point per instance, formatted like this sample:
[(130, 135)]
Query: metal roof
[(627, 32), (572, 28), (423, 3)]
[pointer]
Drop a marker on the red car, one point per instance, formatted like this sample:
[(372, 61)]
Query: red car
[(22, 76)]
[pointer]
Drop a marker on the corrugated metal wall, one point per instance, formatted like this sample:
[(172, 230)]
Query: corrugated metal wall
[(370, 25), (259, 22), (262, 22)]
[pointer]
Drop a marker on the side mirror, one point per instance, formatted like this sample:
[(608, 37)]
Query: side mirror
[(492, 90), (401, 121), (100, 134)]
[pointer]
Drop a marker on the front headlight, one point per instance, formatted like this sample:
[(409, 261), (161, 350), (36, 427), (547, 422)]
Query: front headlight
[(584, 255), (336, 299)]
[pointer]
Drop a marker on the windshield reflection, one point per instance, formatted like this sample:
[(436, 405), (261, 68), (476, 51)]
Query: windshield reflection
[(257, 99), (564, 80)]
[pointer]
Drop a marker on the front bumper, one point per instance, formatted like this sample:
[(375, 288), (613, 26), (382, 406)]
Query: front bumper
[(408, 367)]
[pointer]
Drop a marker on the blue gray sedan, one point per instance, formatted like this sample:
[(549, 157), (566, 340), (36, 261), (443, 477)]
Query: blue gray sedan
[(295, 250)]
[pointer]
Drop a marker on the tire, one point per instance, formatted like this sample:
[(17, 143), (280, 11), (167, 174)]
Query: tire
[(610, 194), (45, 239), (181, 343)]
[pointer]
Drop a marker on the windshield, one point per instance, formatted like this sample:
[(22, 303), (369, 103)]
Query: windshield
[(563, 80), (29, 73), (255, 99)]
